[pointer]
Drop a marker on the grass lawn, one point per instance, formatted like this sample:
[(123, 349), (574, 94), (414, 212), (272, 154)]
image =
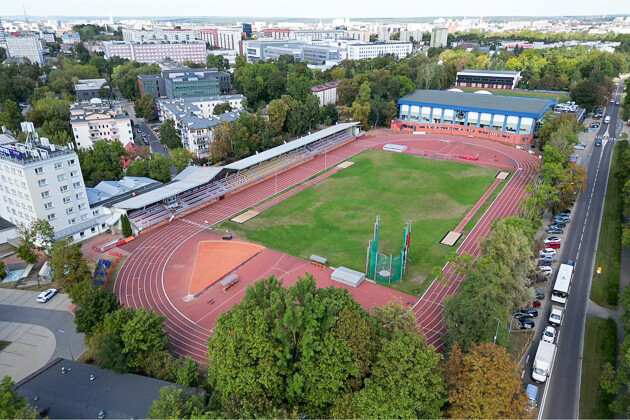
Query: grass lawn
[(560, 97), (600, 346), (472, 222), (605, 287), (335, 217), (3, 344)]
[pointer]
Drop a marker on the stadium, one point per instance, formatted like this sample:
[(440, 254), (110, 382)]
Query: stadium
[(196, 248)]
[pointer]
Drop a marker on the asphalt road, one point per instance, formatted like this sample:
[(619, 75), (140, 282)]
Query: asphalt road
[(141, 125), (559, 397), (69, 344)]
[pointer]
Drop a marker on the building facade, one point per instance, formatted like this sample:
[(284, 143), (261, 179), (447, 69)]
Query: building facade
[(151, 52), (265, 49), (99, 119), (44, 181), (439, 38), (506, 119), (184, 82), (70, 38), (489, 79), (87, 89), (326, 93), (26, 46), (379, 49)]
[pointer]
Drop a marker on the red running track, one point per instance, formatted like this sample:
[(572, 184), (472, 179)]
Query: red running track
[(142, 282)]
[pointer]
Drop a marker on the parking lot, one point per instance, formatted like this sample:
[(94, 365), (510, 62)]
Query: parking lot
[(28, 299)]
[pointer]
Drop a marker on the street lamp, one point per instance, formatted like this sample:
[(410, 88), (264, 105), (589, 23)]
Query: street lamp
[(497, 330), (67, 341)]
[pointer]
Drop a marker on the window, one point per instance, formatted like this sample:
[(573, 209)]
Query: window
[(72, 221), (71, 162), (58, 165), (61, 177), (79, 196), (51, 216), (70, 210), (82, 206), (95, 212), (76, 184), (42, 182), (39, 170), (74, 173), (66, 200), (46, 194), (63, 188), (84, 216), (48, 206)]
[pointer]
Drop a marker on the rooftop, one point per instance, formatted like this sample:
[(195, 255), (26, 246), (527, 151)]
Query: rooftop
[(106, 190), (36, 151), (80, 111), (531, 107), (74, 395), (89, 84), (158, 41), (490, 72), (325, 86)]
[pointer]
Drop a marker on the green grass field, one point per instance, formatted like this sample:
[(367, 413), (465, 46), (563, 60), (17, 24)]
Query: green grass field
[(335, 217), (560, 97)]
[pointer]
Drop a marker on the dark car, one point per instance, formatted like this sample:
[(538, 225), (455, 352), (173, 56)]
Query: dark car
[(522, 315), (531, 311), (555, 230), (562, 216), (557, 223), (598, 143), (527, 324), (545, 261), (539, 294)]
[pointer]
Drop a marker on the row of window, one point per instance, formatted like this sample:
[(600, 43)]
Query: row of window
[(17, 203), (12, 170), (58, 165), (19, 214), (63, 188)]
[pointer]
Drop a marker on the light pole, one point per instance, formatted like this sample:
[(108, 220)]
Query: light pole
[(497, 330), (68, 341)]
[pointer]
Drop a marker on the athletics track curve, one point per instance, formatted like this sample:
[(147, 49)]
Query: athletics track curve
[(140, 282)]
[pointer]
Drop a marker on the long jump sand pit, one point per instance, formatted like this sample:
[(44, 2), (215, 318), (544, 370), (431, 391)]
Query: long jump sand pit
[(215, 259), (244, 217), (450, 238)]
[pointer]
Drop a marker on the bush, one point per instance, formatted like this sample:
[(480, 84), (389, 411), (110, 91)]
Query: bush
[(126, 226)]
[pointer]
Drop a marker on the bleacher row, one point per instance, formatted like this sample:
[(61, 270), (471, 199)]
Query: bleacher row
[(158, 212)]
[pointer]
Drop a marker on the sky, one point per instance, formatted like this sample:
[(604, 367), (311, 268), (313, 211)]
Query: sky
[(314, 8)]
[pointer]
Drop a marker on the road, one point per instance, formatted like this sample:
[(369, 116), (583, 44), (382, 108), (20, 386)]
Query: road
[(141, 125), (560, 395)]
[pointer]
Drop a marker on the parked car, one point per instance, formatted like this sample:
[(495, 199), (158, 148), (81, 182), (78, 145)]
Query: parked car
[(536, 303), (555, 230), (547, 251), (549, 335), (598, 143), (544, 269), (554, 245), (527, 324), (46, 295), (595, 125), (559, 224), (579, 146), (522, 315), (545, 261), (539, 294), (562, 216), (531, 311), (555, 318), (552, 239)]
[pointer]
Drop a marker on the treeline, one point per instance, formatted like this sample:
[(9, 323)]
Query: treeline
[(485, 37)]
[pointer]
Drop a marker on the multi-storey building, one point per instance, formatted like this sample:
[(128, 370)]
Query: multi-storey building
[(223, 38), (71, 38), (491, 79), (195, 122), (326, 93), (378, 49), (99, 119), (184, 82), (25, 46), (439, 38), (48, 36), (44, 181), (158, 34), (151, 52), (87, 89), (264, 49)]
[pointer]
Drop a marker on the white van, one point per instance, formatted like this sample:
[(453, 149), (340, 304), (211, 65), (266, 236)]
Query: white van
[(607, 119)]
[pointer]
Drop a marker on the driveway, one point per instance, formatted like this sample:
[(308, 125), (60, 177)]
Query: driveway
[(31, 348), (28, 299)]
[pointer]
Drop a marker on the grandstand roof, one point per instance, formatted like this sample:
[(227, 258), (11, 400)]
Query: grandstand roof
[(287, 147), (191, 177)]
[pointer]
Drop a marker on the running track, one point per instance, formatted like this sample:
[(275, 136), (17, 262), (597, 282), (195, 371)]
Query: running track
[(140, 282)]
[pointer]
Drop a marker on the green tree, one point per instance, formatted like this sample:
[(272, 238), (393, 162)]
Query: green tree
[(181, 158), (12, 405), (126, 226), (186, 372), (329, 114), (102, 162), (139, 167), (142, 336), (221, 146), (70, 269), (159, 167), (10, 114), (222, 108), (125, 77), (168, 135), (37, 236), (144, 107), (93, 307), (218, 62), (176, 403)]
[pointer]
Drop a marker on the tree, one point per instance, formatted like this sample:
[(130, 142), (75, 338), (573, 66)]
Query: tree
[(181, 158), (38, 236), (406, 381), (125, 77), (93, 307), (393, 316), (218, 62), (186, 373), (222, 108), (159, 167), (102, 162), (142, 336), (81, 53), (485, 383), (329, 114), (221, 146), (277, 111), (139, 167), (12, 405), (3, 271), (10, 114), (70, 269), (126, 226), (168, 135), (176, 403), (144, 107)]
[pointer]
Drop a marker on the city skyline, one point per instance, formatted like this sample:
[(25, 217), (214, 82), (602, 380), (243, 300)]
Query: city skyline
[(324, 9)]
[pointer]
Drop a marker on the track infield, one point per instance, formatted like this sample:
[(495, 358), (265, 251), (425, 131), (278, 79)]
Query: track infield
[(334, 218)]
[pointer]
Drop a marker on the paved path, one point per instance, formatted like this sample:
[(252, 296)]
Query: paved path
[(594, 309), (30, 349)]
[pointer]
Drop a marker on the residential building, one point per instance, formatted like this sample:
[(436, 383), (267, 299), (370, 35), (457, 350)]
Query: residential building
[(158, 34), (99, 119), (41, 180), (229, 39), (68, 389), (505, 119), (264, 49), (326, 93), (411, 36), (3, 35), (275, 33), (151, 52), (439, 38), (185, 82), (194, 119), (317, 35), (71, 38), (378, 49), (362, 36), (491, 79), (48, 36), (87, 89), (26, 46)]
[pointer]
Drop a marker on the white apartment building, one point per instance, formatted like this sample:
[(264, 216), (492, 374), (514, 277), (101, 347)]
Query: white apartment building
[(378, 49), (25, 46), (158, 34), (151, 52), (326, 93), (439, 38), (99, 119), (229, 39), (44, 181)]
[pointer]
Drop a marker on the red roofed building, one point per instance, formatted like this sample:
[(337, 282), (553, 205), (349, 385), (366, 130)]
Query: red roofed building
[(326, 93)]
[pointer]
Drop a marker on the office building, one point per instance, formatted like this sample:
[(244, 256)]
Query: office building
[(264, 49), (505, 119), (99, 119), (411, 36), (3, 35), (151, 52), (247, 30), (47, 36), (223, 38), (489, 79), (44, 181), (275, 33), (195, 120), (71, 38), (87, 89), (184, 82), (378, 49), (439, 38), (317, 35), (26, 46), (158, 34), (326, 93)]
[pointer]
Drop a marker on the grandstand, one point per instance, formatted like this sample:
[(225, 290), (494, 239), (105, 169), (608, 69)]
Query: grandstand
[(196, 186)]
